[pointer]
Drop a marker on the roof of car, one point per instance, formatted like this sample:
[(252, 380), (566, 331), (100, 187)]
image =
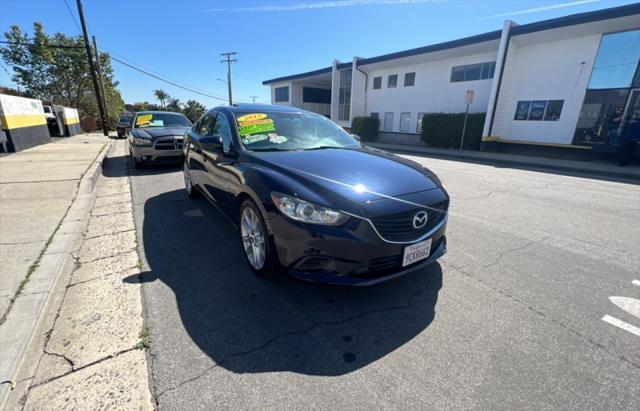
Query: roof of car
[(159, 112), (269, 108)]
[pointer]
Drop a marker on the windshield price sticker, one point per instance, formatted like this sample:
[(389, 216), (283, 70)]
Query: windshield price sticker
[(144, 119), (249, 117), (276, 139), (256, 138), (256, 126)]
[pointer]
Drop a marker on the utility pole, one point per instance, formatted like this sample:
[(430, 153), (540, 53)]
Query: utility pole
[(92, 68), (253, 98), (229, 59), (100, 79)]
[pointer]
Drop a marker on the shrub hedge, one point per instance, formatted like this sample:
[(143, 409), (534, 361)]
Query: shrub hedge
[(445, 130), (365, 127)]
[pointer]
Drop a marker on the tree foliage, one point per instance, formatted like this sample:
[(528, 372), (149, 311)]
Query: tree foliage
[(193, 110), (59, 75), (162, 96)]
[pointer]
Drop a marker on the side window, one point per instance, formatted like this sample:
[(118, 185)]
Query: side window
[(203, 125), (221, 127)]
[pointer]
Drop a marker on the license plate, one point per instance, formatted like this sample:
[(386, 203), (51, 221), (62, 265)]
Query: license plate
[(416, 252)]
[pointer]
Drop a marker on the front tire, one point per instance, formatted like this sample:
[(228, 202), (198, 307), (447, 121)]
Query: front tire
[(191, 190), (258, 246)]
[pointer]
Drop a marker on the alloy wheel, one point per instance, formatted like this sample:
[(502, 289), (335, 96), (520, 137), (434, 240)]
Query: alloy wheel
[(186, 172), (253, 238)]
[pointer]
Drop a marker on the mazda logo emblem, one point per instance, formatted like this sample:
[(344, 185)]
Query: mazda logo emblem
[(420, 219)]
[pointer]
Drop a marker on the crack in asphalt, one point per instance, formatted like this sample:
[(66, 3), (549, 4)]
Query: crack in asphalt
[(544, 315), (74, 370), (106, 234), (119, 253), (409, 304), (503, 254)]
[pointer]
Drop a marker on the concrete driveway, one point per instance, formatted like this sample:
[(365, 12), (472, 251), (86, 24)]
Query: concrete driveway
[(511, 317)]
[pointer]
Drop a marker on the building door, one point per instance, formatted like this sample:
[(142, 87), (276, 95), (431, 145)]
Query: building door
[(631, 122)]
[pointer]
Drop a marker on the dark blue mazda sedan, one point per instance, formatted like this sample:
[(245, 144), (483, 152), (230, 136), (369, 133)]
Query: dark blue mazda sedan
[(310, 200)]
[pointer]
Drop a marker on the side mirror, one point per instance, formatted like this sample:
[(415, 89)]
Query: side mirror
[(357, 137)]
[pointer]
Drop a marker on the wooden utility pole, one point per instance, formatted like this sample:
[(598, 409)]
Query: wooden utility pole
[(229, 60), (92, 69), (100, 79)]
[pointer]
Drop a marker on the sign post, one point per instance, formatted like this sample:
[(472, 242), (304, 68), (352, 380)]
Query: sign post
[(468, 100)]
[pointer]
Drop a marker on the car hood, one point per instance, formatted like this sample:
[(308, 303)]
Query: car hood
[(154, 132), (359, 174)]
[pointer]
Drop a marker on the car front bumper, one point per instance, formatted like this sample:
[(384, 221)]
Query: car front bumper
[(150, 154), (352, 254)]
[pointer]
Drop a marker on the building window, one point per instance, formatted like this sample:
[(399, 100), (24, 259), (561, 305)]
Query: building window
[(316, 95), (388, 122), (409, 79), (600, 118), (470, 72), (405, 122), (537, 110), (282, 94), (377, 83), (522, 110), (547, 110), (376, 115), (617, 61), (554, 109), (344, 96), (419, 123), (392, 81)]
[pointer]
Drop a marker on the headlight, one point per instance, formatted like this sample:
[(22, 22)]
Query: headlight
[(142, 141), (301, 210)]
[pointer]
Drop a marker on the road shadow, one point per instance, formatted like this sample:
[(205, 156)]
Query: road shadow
[(251, 325), (116, 166)]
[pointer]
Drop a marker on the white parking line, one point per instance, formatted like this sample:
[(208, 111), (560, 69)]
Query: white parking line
[(621, 324), (635, 282)]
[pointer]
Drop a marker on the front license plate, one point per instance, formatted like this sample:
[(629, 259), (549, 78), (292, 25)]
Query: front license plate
[(416, 252)]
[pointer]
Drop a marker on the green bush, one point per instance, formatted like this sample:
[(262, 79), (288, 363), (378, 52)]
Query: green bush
[(365, 127), (445, 130)]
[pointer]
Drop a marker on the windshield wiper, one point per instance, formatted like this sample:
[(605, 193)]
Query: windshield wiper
[(321, 148), (270, 149)]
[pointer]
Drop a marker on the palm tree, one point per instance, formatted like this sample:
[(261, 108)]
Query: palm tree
[(174, 105), (161, 95)]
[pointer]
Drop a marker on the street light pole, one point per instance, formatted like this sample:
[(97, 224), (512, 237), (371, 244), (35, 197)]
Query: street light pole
[(229, 59), (92, 69)]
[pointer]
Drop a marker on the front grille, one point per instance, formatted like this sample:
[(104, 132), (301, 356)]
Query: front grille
[(399, 226), (385, 263), (170, 143)]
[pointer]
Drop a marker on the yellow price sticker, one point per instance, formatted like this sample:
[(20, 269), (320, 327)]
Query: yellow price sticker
[(144, 119), (254, 116)]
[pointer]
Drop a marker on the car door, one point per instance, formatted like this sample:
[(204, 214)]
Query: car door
[(218, 158), (193, 149)]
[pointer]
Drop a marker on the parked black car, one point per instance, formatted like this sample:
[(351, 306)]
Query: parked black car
[(308, 197), (156, 137), (123, 123)]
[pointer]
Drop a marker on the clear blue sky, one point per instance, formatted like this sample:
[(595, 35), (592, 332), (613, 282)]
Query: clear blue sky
[(181, 40)]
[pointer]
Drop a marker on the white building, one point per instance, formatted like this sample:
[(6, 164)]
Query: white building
[(570, 81)]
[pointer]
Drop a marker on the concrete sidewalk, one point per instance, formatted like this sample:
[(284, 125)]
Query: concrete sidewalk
[(595, 168), (44, 195)]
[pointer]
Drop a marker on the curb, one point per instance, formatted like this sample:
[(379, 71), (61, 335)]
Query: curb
[(45, 289), (523, 162)]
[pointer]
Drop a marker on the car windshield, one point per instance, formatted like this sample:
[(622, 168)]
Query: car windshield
[(145, 120), (125, 119), (274, 131)]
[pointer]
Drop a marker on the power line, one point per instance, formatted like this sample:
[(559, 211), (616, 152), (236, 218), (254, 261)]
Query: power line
[(111, 55), (54, 46), (73, 16), (168, 81)]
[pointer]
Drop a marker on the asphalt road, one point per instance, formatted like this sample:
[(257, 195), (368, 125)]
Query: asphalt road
[(510, 318)]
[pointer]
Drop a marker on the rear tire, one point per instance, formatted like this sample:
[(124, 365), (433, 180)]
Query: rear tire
[(258, 246)]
